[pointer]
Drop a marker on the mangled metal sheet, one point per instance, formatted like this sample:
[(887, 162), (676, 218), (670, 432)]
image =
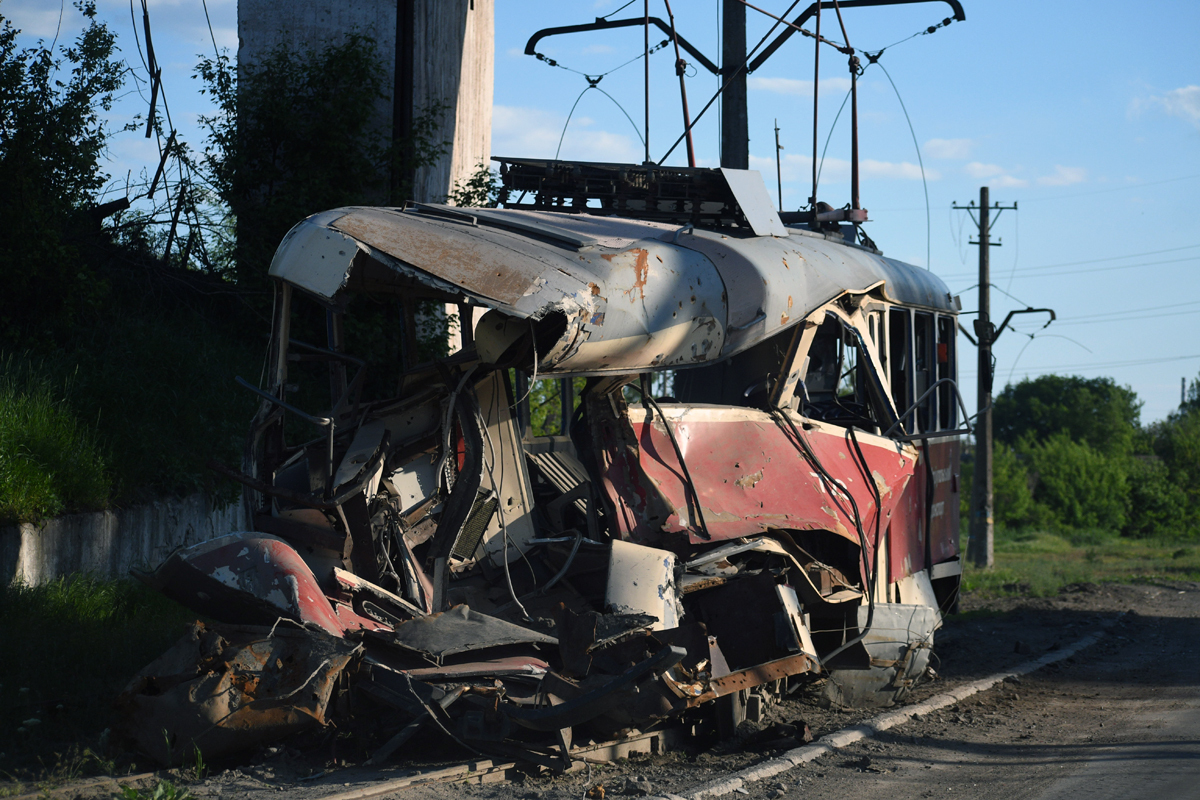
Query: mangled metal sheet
[(628, 302), (461, 630), (223, 690)]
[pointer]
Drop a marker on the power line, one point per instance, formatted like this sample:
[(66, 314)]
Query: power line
[(1133, 310), (1091, 260), (1133, 318), (1111, 364), (1114, 189), (1023, 274)]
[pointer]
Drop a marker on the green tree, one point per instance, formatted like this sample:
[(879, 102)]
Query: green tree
[(1177, 443), (52, 138), (1191, 400), (1157, 506), (480, 190), (1012, 498), (298, 132), (1093, 411), (1077, 486)]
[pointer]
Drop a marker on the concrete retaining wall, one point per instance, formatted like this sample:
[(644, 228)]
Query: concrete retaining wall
[(108, 543)]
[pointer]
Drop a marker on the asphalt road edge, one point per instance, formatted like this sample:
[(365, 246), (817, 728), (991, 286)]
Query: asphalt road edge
[(835, 741)]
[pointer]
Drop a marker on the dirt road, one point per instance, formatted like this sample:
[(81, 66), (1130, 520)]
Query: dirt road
[(1119, 719)]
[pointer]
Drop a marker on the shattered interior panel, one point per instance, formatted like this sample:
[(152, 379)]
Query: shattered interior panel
[(784, 517)]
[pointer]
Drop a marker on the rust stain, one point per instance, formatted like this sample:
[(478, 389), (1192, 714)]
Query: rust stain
[(595, 289), (641, 270), (783, 318), (789, 301), (750, 481)]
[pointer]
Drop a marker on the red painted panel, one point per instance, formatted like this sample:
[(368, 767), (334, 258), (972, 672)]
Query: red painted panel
[(915, 517), (749, 474), (945, 458)]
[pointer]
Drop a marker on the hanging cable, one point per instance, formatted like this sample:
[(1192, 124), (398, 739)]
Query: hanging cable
[(836, 491), (874, 59), (740, 68), (650, 403), (594, 79), (571, 113)]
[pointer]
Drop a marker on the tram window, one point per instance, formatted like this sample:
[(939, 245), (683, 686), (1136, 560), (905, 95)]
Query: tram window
[(947, 402), (900, 360), (841, 387), (744, 380), (925, 372)]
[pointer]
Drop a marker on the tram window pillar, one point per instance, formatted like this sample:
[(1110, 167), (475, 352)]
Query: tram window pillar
[(946, 360), (900, 361)]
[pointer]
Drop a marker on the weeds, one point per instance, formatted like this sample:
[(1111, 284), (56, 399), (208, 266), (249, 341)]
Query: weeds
[(49, 461), (1035, 562), (67, 648), (163, 790)]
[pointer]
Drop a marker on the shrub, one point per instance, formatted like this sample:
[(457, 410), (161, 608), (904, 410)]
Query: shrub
[(49, 462), (1157, 507), (1077, 487)]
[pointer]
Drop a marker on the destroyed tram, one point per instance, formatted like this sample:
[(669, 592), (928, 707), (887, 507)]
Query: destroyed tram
[(753, 489)]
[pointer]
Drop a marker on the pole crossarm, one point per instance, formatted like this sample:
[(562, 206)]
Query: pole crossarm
[(607, 24), (808, 13)]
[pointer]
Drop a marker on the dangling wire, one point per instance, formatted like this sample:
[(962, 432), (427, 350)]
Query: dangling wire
[(874, 59), (595, 79), (587, 88)]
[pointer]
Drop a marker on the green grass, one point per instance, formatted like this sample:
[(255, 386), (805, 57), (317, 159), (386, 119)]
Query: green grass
[(129, 413), (1039, 563), (67, 648), (50, 462)]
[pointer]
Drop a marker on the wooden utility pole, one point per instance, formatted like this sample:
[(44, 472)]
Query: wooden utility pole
[(980, 549), (735, 127)]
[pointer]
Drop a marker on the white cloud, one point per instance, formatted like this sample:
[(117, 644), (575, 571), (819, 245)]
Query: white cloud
[(1008, 181), (1064, 176), (902, 170), (41, 22), (949, 148), (800, 88), (994, 174), (977, 169), (534, 133), (1183, 102)]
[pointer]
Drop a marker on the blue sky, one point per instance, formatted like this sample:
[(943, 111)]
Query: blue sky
[(1085, 115)]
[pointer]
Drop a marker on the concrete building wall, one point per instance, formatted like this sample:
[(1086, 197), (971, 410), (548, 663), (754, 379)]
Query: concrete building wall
[(108, 543), (453, 47)]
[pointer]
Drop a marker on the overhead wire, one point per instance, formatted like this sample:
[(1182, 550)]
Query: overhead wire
[(571, 113), (1134, 310), (1114, 189), (1034, 272), (1110, 258), (1111, 364), (925, 185), (740, 68), (1132, 318)]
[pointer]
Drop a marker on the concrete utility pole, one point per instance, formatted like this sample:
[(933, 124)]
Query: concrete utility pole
[(982, 529), (735, 127)]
